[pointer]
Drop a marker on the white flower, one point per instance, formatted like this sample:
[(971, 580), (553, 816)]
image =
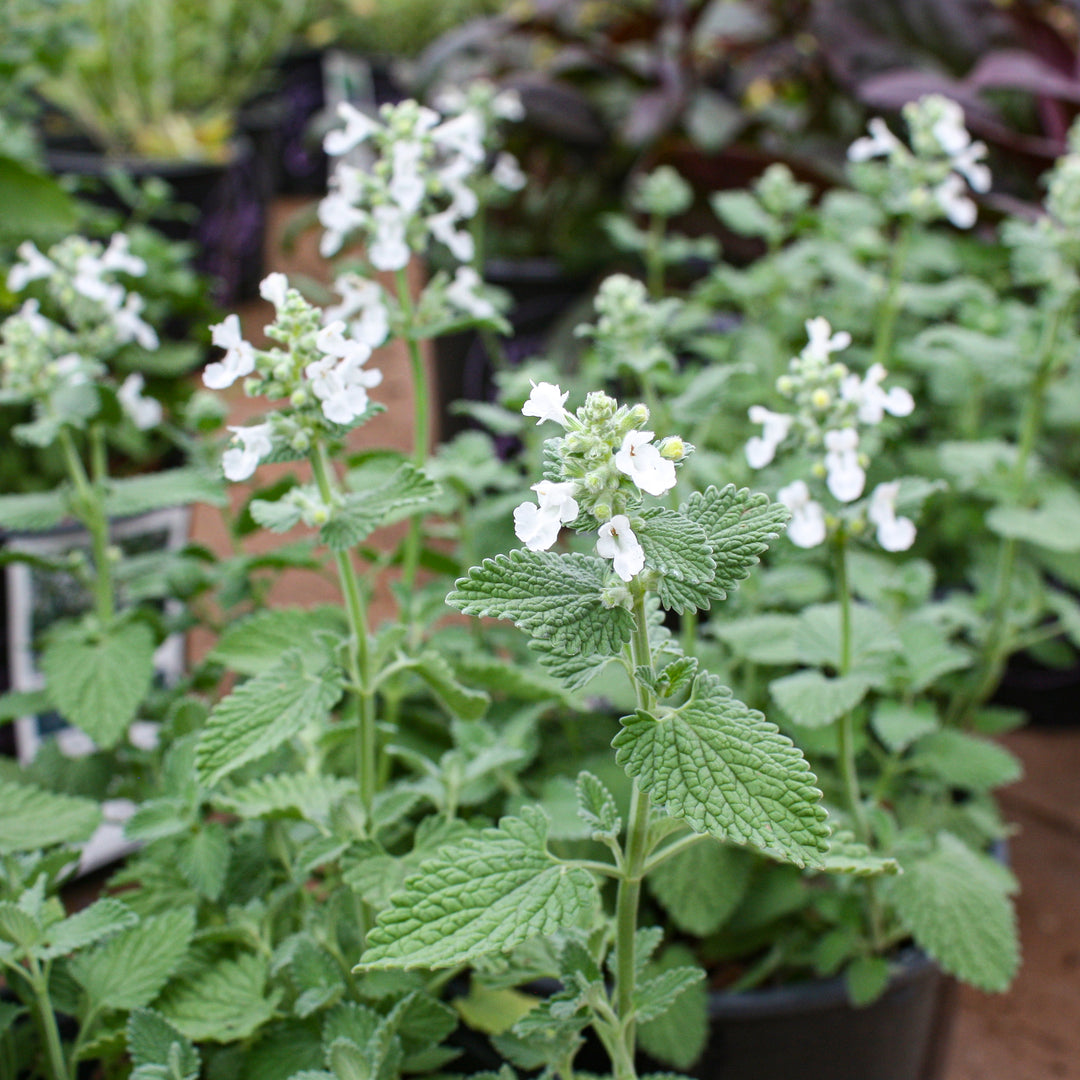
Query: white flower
[(458, 241), (275, 288), (30, 312), (358, 128), (117, 257), (807, 526), (845, 477), (506, 105), (618, 542), (871, 400), (823, 342), (507, 172), (893, 533), (968, 163), (948, 129), (546, 402), (338, 213), (339, 380), (407, 186), (462, 136), (537, 526), (761, 449), (131, 327), (331, 341), (951, 196), (463, 292), (641, 461), (71, 368), (33, 266), (239, 359), (88, 282), (879, 143), (145, 412), (388, 249), (240, 461), (363, 298)]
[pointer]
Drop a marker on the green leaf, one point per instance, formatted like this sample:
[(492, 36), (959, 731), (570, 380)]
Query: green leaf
[(484, 894), (317, 977), (302, 795), (130, 970), (654, 996), (35, 205), (152, 1040), (33, 512), (555, 598), (31, 818), (596, 806), (872, 637), (866, 979), (98, 683), (816, 700), (18, 926), (741, 212), (18, 703), (898, 725), (763, 639), (675, 545), (408, 492), (278, 515), (171, 487), (264, 712), (458, 700), (256, 644), (678, 1037), (203, 859), (222, 1003), (958, 910), (1054, 524), (700, 886), (965, 761), (725, 770), (846, 855), (101, 919)]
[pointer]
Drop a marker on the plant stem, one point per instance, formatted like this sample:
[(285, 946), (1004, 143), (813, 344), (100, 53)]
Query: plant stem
[(54, 1048), (90, 510), (421, 425), (359, 655), (654, 258), (890, 305)]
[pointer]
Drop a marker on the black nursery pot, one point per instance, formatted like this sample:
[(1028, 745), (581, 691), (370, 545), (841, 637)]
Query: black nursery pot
[(810, 1030), (228, 225)]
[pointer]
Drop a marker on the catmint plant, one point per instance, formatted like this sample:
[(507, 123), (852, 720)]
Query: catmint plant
[(703, 767)]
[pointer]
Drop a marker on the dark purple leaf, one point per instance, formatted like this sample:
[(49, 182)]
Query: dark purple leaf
[(1018, 70)]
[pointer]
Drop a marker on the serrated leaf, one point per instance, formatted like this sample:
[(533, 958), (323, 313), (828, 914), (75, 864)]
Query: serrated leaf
[(596, 806), (458, 700), (32, 818), (277, 515), (846, 855), (814, 700), (36, 511), (678, 1037), (151, 1040), (101, 919), (958, 911), (483, 894), (203, 859), (98, 683), (1054, 524), (725, 770), (573, 670), (264, 712), (222, 1003), (157, 819), (817, 637), (965, 761), (898, 725), (763, 639), (654, 996), (554, 597), (130, 970), (316, 976), (301, 795), (675, 545), (409, 491), (18, 927), (155, 491), (702, 885), (256, 644), (866, 979), (928, 654)]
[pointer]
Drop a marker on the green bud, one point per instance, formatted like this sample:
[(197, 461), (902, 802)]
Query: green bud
[(638, 416), (602, 512), (821, 399), (300, 442), (616, 594), (663, 192), (299, 397), (598, 407), (785, 385), (253, 385), (282, 370), (674, 449)]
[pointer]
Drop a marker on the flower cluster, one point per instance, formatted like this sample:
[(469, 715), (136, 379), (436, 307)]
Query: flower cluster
[(933, 177), (630, 330), (92, 315), (831, 404), (320, 370), (597, 471), (423, 183)]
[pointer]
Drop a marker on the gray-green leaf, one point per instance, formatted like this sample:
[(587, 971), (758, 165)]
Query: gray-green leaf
[(32, 818), (816, 700), (700, 886)]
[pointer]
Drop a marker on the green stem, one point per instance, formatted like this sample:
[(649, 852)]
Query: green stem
[(90, 510), (890, 305), (359, 654), (421, 424), (654, 259), (54, 1049), (660, 857)]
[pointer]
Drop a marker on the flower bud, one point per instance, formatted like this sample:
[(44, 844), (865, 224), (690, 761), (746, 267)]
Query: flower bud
[(299, 397), (786, 385), (674, 449), (301, 442), (253, 386), (638, 416), (282, 370), (602, 512), (616, 594), (819, 469), (821, 399)]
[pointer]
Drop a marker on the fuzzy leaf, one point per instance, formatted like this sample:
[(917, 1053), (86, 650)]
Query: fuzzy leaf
[(130, 969), (36, 511), (866, 978), (678, 1037), (407, 492), (596, 806), (700, 886), (32, 818), (676, 546), (203, 859), (483, 894), (99, 683), (818, 637), (898, 725), (302, 795), (100, 920), (725, 770), (458, 700), (965, 761), (1055, 524), (222, 1003), (255, 644), (151, 1040), (277, 515), (264, 712), (763, 639), (155, 491), (846, 855), (554, 598), (815, 700), (957, 909), (18, 927), (654, 996)]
